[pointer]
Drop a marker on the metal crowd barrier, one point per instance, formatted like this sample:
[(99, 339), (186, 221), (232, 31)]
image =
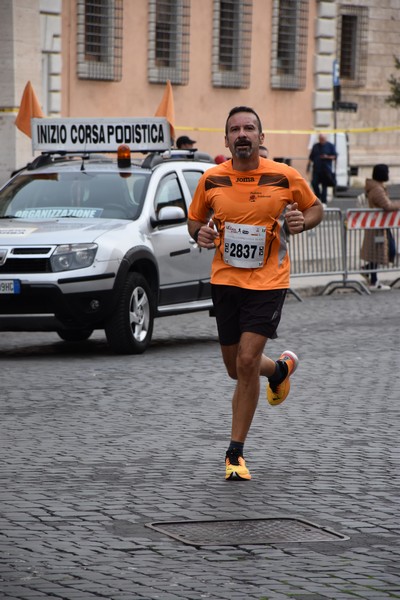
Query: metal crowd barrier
[(322, 251), (319, 251), (333, 248), (360, 220)]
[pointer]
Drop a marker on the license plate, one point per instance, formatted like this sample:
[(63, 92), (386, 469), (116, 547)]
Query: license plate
[(10, 286)]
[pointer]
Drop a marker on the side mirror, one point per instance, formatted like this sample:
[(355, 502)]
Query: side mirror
[(169, 215)]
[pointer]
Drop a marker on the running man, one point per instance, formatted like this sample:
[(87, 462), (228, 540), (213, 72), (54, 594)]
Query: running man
[(239, 208)]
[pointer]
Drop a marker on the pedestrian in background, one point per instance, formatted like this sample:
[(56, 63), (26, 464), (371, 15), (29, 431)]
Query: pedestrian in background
[(322, 155), (263, 151), (239, 208), (378, 246), (185, 143), (220, 158)]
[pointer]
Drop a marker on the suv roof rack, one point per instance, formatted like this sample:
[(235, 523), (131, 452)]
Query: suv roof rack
[(44, 159), (152, 160), (155, 158), (40, 161)]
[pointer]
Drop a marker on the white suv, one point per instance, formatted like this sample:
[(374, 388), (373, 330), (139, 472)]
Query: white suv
[(92, 242)]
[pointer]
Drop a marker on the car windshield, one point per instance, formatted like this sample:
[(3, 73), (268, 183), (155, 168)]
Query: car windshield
[(79, 194)]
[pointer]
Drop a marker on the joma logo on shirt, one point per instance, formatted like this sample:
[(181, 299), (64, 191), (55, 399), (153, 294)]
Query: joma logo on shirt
[(244, 179)]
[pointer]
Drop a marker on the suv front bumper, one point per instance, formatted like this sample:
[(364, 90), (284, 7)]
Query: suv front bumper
[(46, 302)]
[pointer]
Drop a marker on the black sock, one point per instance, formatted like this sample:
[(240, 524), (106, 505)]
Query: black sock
[(235, 448), (281, 371)]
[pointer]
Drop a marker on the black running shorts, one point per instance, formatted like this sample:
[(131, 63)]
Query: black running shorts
[(238, 310)]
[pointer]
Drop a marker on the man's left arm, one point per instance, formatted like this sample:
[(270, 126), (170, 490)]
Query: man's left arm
[(299, 221), (313, 215), (306, 210)]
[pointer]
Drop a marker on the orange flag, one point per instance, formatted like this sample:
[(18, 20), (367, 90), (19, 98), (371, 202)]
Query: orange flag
[(166, 108), (29, 108)]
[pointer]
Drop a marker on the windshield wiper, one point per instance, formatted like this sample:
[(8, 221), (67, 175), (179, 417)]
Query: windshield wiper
[(9, 217)]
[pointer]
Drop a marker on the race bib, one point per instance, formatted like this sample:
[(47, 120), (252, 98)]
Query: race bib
[(244, 245)]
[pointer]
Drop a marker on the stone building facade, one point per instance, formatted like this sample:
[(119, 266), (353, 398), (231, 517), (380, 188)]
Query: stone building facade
[(113, 58), (30, 50)]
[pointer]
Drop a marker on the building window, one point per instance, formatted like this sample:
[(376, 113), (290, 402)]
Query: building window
[(99, 37), (169, 30), (231, 51), (289, 44), (352, 38)]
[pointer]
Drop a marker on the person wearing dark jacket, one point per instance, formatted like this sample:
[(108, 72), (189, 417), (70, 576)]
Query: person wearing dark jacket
[(322, 155)]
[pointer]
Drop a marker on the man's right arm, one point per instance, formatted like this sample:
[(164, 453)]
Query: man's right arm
[(194, 228), (203, 233)]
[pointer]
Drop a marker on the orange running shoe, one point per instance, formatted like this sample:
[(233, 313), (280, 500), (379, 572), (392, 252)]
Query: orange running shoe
[(277, 392), (236, 467)]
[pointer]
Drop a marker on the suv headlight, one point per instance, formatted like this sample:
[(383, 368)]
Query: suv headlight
[(73, 256)]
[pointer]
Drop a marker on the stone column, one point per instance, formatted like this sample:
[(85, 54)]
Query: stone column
[(325, 37), (30, 50)]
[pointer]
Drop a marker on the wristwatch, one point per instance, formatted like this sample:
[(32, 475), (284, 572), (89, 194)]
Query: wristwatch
[(196, 234)]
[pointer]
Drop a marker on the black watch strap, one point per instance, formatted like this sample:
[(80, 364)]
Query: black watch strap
[(196, 234)]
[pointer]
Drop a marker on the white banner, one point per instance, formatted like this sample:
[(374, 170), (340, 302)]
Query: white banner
[(101, 135)]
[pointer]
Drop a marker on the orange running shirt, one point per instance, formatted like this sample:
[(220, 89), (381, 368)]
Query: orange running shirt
[(257, 197)]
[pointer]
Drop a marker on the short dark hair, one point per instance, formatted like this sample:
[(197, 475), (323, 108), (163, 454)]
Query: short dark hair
[(380, 173), (238, 109)]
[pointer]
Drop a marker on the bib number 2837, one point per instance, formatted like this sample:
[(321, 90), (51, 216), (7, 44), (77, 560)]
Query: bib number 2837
[(244, 245)]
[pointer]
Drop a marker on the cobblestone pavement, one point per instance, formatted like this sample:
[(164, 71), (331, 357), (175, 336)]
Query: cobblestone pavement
[(95, 446)]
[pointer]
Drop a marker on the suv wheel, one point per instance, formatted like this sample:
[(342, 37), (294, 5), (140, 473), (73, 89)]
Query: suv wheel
[(75, 335), (130, 328)]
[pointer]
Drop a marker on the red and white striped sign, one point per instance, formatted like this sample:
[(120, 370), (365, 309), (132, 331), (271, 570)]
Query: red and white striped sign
[(372, 219)]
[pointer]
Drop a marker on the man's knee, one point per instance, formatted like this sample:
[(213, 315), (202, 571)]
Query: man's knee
[(247, 363)]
